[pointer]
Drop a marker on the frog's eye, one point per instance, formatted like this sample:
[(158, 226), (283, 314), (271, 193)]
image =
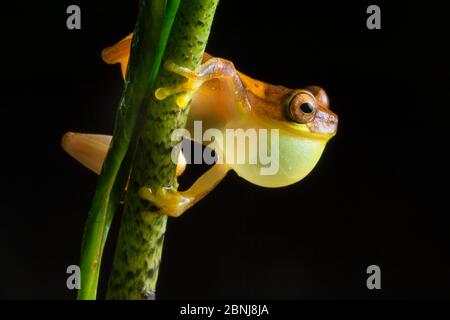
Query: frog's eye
[(302, 107)]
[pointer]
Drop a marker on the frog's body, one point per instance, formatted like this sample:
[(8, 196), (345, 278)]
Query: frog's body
[(223, 98)]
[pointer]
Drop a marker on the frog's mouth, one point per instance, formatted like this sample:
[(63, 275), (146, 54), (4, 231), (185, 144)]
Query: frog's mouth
[(319, 130), (305, 131)]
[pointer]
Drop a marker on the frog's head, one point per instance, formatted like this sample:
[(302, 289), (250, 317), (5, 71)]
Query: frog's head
[(308, 114), (305, 125), (301, 112)]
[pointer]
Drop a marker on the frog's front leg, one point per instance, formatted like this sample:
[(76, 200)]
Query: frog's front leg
[(214, 68), (173, 203)]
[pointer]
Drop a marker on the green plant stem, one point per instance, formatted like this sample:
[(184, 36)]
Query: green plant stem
[(138, 253), (153, 28)]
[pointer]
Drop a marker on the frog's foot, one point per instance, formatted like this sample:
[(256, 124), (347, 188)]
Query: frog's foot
[(168, 200), (187, 88), (173, 203)]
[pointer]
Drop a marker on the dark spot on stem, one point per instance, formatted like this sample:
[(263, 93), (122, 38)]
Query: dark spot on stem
[(129, 276)]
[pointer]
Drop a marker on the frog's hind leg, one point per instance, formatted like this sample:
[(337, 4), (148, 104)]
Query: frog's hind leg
[(91, 149), (119, 53), (174, 203), (213, 68)]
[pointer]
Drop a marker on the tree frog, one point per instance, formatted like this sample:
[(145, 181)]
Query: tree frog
[(224, 98)]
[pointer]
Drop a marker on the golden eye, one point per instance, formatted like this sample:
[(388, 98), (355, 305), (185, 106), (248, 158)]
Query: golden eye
[(302, 107)]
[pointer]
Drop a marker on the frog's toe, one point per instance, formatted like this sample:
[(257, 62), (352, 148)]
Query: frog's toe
[(182, 100), (168, 200), (186, 88)]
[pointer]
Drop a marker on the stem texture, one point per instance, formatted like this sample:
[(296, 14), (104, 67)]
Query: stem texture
[(138, 253)]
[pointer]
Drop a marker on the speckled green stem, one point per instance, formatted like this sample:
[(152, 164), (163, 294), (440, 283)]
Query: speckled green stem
[(138, 253), (153, 28)]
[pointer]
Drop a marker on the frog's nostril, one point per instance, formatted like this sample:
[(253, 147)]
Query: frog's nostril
[(325, 122), (335, 122)]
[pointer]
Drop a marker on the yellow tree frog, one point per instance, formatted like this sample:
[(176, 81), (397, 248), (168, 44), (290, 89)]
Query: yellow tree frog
[(223, 99)]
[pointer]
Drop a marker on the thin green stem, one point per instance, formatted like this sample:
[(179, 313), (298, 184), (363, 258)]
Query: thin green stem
[(152, 31), (139, 246)]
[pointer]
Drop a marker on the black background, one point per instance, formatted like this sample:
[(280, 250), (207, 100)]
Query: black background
[(379, 194)]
